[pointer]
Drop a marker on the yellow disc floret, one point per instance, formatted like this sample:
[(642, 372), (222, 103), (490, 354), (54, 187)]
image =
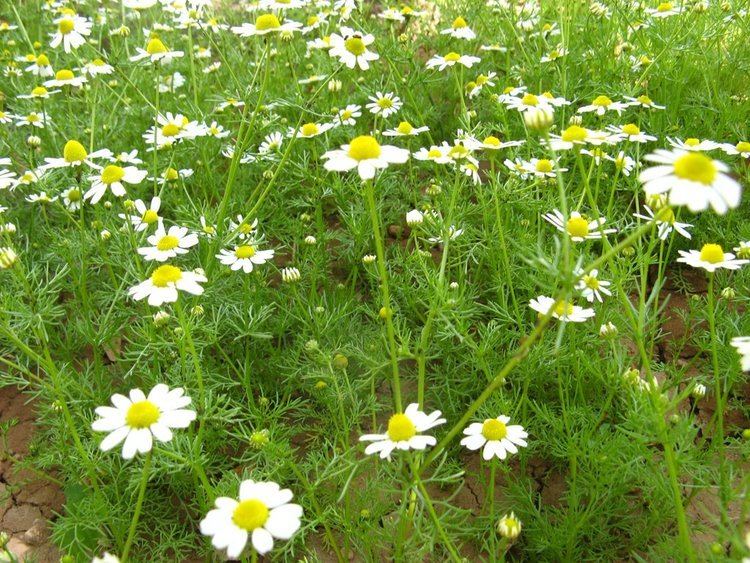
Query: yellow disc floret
[(244, 251), (695, 167), (401, 428), (364, 147), (73, 151), (309, 129), (66, 25), (168, 242), (250, 514), (64, 74), (544, 165), (155, 47), (494, 429), (142, 414), (574, 133), (405, 128), (266, 22), (577, 227), (112, 174), (355, 46), (165, 275), (712, 253), (563, 309), (602, 101), (631, 129), (452, 57)]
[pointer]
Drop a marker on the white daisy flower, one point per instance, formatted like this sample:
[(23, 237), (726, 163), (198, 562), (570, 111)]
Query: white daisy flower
[(310, 130), (460, 30), (591, 287), (742, 148), (348, 115), (691, 179), (38, 93), (72, 198), (664, 10), (666, 222), (554, 55), (384, 104), (97, 67), (66, 77), (156, 52), (576, 136), (644, 102), (74, 154), (711, 257), (497, 437), (245, 257), (554, 101), (168, 244), (272, 143), (264, 24), (113, 177), (8, 180), (366, 155), (543, 168), (743, 250), (146, 216), (405, 129), (350, 47), (71, 32), (437, 154), (742, 345), (42, 197), (623, 162), (602, 104), (404, 432), (40, 66), (561, 310), (246, 230), (629, 132), (445, 61), (526, 102), (577, 226), (262, 513), (491, 143), (138, 419), (693, 144), (163, 284)]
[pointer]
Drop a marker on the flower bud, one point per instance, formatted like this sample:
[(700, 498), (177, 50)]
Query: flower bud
[(509, 526), (8, 257), (161, 318), (310, 240), (290, 275), (539, 119), (699, 391), (608, 330), (340, 361), (728, 293), (414, 218), (368, 259)]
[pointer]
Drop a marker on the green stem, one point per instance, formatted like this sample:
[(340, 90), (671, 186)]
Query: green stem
[(138, 507)]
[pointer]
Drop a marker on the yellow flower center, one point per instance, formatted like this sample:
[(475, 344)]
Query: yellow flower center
[(405, 128), (434, 153), (39, 91), (267, 21), (74, 195), (591, 282), (530, 100), (459, 22), (155, 47), (631, 129), (544, 165), (401, 428), (574, 133), (601, 101), (491, 141), (42, 60), (664, 7), (142, 414), (577, 227), (250, 514), (346, 114), (112, 174), (458, 152), (481, 80), (73, 151), (170, 130), (66, 26), (246, 228), (743, 146), (167, 242), (692, 142), (150, 216), (645, 100), (493, 429), (364, 147), (554, 54), (712, 253), (245, 251), (695, 167), (563, 308), (385, 103), (355, 46), (33, 118), (452, 57), (309, 129), (97, 62), (165, 275), (312, 20), (64, 74)]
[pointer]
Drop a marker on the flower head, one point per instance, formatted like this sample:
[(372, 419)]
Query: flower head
[(404, 432), (496, 436)]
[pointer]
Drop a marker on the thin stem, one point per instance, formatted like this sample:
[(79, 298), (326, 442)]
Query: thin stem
[(138, 507)]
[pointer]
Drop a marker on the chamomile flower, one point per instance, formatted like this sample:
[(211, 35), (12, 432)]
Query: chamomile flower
[(623, 162), (309, 130), (491, 143), (168, 244), (265, 24), (384, 104), (562, 310), (164, 284), (664, 10), (495, 436), (113, 177), (405, 129), (139, 419), (6, 117), (351, 48), (245, 257), (460, 30), (38, 93), (554, 55), (42, 197), (97, 67), (72, 198), (145, 215), (543, 168), (262, 513), (71, 32), (348, 115), (630, 132), (666, 222), (509, 526), (156, 52), (271, 144), (591, 287), (244, 229), (691, 179), (576, 136), (711, 257), (742, 345), (404, 432), (602, 104), (526, 102), (8, 179), (743, 250), (74, 154), (33, 119), (445, 61), (577, 227), (66, 77), (436, 153), (217, 131), (742, 148), (366, 155), (644, 102), (693, 144)]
